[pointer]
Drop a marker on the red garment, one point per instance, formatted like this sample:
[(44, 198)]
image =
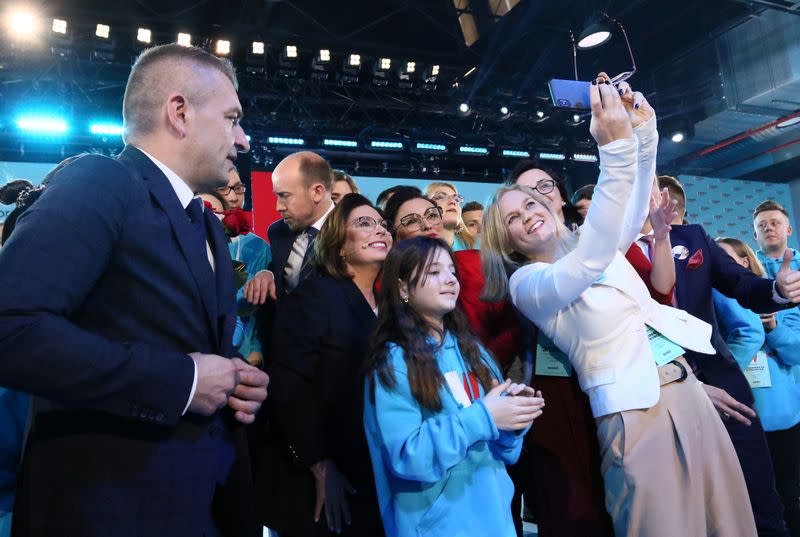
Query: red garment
[(496, 324), (644, 267)]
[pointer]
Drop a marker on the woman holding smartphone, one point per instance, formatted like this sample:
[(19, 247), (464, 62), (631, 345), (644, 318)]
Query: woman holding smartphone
[(668, 464)]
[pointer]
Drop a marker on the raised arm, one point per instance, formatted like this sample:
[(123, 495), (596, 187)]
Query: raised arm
[(643, 120), (539, 290)]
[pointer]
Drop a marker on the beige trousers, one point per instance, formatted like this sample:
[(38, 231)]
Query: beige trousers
[(671, 470)]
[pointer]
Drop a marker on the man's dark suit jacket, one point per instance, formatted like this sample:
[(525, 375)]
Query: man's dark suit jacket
[(693, 286), (319, 347), (103, 294), (281, 239)]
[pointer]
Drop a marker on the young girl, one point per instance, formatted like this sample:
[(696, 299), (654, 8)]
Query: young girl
[(668, 464), (440, 424)]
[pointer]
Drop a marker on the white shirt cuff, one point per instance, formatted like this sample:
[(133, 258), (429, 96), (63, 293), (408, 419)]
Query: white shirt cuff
[(194, 387), (776, 297)]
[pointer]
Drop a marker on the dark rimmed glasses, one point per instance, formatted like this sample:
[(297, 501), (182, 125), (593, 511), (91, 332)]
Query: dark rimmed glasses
[(225, 190), (413, 222)]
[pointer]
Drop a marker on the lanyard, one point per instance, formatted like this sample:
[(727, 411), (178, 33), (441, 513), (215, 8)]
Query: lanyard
[(471, 385)]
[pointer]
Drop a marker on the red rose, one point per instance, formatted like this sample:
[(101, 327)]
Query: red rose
[(236, 222)]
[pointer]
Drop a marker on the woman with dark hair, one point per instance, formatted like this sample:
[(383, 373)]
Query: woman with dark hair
[(319, 348), (411, 214), (441, 423), (550, 184)]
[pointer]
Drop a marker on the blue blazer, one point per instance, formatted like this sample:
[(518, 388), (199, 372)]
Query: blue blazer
[(103, 296), (693, 284)]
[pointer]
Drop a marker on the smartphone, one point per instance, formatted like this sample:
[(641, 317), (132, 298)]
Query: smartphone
[(572, 94)]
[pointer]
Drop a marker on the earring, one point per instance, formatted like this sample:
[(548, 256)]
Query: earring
[(405, 299)]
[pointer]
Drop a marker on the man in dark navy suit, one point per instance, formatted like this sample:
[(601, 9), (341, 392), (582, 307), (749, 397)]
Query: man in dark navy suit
[(302, 184), (117, 314), (700, 265)]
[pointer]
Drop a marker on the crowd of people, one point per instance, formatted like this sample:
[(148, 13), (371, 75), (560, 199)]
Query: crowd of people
[(414, 366)]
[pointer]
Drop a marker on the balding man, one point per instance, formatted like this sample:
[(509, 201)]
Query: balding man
[(117, 312), (302, 183)]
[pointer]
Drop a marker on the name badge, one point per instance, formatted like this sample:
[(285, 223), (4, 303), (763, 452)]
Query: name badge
[(664, 349), (457, 388), (757, 372), (550, 360)]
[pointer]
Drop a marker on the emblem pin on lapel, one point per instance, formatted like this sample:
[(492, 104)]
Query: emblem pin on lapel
[(680, 252)]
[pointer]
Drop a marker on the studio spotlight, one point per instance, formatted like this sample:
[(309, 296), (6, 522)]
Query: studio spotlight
[(435, 70), (103, 31), (144, 35), (23, 23), (540, 114), (385, 64), (596, 32), (324, 55), (576, 118), (464, 108), (354, 60), (411, 67), (290, 52), (184, 40), (257, 48), (223, 47), (504, 110), (60, 26), (677, 137)]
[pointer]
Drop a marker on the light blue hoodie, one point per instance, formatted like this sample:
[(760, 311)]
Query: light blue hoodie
[(778, 406), (439, 473)]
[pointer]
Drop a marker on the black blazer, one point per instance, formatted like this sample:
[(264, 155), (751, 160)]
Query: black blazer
[(320, 343), (281, 239), (102, 297), (693, 294)]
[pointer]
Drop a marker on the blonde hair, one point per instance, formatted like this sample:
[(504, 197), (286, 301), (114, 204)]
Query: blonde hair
[(498, 258), (742, 249), (461, 230)]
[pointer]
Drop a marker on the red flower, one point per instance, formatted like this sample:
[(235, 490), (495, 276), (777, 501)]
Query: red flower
[(237, 222), (696, 261)]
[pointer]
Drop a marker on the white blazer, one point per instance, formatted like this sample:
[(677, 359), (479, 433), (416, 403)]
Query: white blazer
[(593, 304)]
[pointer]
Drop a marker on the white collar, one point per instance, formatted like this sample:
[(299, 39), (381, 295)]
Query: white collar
[(182, 190), (318, 224)]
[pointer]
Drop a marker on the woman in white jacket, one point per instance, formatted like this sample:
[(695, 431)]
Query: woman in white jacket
[(667, 462)]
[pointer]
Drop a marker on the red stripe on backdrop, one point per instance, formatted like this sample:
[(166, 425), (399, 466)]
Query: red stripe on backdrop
[(264, 199)]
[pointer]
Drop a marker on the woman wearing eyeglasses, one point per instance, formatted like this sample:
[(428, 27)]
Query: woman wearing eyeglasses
[(320, 343), (494, 323), (456, 234), (549, 184)]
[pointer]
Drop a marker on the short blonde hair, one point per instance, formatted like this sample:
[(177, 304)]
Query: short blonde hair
[(461, 231), (339, 175), (498, 258)]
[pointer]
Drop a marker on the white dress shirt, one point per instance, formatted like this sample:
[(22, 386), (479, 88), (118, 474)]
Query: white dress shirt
[(185, 196), (593, 304)]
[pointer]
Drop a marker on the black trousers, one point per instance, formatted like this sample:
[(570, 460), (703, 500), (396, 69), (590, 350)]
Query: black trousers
[(754, 456), (785, 449)]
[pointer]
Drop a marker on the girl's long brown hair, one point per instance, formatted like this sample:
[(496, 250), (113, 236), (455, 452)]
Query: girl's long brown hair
[(399, 324)]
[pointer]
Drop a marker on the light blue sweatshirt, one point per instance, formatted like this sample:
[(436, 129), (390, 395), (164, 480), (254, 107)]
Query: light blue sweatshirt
[(778, 406), (439, 473)]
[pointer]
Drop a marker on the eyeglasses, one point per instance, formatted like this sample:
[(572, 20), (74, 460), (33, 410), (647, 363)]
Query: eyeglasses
[(441, 197), (413, 222), (225, 190), (620, 77), (545, 187), (368, 224)]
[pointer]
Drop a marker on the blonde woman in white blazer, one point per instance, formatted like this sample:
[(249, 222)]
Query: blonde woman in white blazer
[(668, 464)]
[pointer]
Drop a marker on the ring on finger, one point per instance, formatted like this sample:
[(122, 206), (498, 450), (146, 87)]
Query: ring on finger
[(725, 415)]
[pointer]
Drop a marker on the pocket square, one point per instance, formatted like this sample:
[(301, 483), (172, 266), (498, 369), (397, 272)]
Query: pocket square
[(696, 261)]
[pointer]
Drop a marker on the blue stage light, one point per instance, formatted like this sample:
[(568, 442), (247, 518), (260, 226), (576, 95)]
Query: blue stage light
[(43, 124), (106, 129)]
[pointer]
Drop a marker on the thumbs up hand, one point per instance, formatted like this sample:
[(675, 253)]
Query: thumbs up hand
[(787, 282)]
